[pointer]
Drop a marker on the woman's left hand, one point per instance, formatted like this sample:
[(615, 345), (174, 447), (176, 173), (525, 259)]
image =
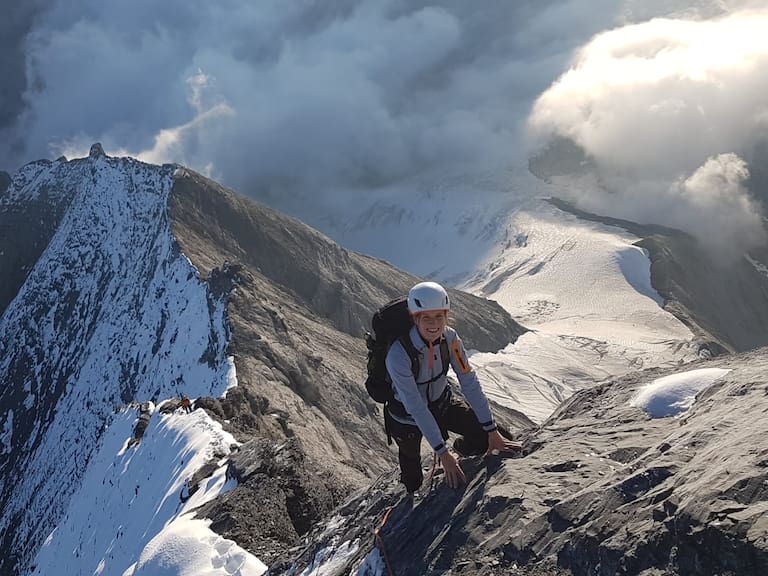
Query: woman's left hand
[(498, 444)]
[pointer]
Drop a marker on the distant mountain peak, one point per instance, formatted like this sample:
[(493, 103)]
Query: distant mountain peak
[(96, 151)]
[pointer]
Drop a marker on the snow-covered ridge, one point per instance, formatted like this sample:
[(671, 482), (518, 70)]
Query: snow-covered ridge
[(132, 501), (42, 178), (112, 312)]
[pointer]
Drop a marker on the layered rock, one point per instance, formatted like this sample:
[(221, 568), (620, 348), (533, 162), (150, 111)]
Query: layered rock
[(603, 489)]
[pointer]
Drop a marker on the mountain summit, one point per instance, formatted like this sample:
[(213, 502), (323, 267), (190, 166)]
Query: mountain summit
[(130, 284)]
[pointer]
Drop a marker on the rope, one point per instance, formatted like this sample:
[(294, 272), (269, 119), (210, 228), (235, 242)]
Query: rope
[(381, 542), (376, 531)]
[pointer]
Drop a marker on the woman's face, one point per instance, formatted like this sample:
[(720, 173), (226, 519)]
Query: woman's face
[(431, 324)]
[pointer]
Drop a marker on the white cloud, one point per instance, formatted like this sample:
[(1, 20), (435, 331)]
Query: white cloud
[(274, 98), (335, 94), (665, 109)]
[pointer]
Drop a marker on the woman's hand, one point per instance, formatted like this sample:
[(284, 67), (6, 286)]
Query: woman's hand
[(497, 444), (454, 475)]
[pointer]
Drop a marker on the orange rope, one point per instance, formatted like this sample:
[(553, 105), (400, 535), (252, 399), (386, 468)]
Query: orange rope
[(381, 542), (376, 534)]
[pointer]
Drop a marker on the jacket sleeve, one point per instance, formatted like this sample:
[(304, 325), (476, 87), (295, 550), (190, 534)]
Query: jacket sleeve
[(407, 392), (470, 384)]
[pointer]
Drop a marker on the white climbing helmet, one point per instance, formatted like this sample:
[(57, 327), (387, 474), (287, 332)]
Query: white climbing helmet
[(426, 297)]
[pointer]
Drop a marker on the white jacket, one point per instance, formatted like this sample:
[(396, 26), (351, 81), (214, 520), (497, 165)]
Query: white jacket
[(415, 397)]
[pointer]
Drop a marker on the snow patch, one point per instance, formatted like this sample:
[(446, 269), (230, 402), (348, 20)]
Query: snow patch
[(128, 516), (188, 548), (672, 395)]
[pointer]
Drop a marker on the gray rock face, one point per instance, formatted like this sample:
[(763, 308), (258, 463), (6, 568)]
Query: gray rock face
[(339, 286), (279, 498), (602, 490)]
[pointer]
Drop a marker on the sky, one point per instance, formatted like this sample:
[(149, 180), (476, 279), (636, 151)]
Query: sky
[(305, 98), (670, 111)]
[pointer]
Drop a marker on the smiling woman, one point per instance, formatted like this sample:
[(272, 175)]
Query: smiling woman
[(423, 402)]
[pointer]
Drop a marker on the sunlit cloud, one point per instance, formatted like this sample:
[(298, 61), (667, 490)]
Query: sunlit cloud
[(666, 111)]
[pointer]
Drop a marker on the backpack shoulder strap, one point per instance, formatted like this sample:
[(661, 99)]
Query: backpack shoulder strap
[(445, 354), (413, 354)]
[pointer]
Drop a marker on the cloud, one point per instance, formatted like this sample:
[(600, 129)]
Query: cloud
[(277, 98), (343, 93), (666, 110), (16, 21)]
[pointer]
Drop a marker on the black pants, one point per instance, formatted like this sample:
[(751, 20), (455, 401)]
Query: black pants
[(456, 416)]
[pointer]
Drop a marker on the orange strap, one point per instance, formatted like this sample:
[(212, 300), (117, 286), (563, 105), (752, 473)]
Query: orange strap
[(381, 542), (462, 362)]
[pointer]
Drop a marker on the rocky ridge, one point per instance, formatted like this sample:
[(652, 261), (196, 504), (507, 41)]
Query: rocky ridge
[(298, 306), (289, 307), (602, 489), (144, 282)]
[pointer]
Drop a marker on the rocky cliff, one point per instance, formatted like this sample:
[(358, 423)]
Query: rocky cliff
[(603, 489)]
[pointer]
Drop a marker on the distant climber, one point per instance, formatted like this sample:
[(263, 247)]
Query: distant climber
[(424, 405), (186, 404)]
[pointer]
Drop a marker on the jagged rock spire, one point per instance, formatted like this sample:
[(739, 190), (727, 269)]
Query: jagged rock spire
[(96, 151)]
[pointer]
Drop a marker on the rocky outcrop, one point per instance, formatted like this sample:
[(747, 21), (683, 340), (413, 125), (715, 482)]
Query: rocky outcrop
[(602, 490), (142, 422), (96, 151), (280, 496)]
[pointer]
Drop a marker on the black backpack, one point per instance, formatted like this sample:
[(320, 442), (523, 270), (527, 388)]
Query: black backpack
[(392, 322)]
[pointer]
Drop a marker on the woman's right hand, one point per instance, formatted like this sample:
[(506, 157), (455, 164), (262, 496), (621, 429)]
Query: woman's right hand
[(454, 475)]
